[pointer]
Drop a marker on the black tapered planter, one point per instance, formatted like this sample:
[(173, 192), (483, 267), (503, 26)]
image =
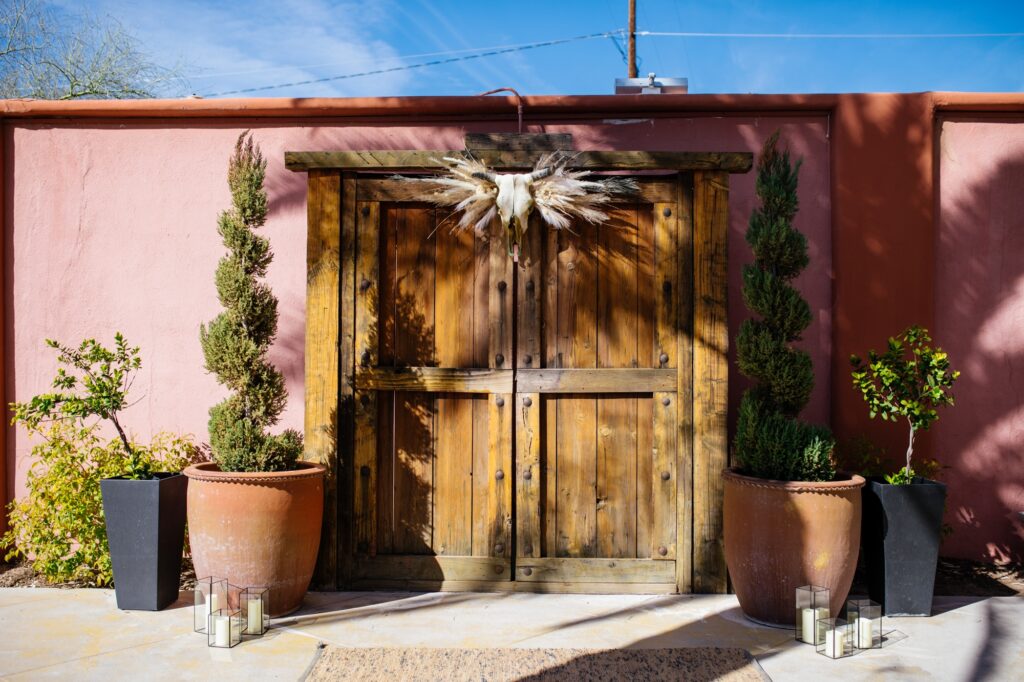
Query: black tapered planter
[(146, 531), (902, 529)]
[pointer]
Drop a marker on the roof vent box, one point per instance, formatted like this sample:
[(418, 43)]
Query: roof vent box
[(652, 85)]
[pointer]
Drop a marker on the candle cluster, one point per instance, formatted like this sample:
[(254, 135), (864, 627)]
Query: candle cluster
[(224, 612), (866, 617), (812, 606), (836, 637)]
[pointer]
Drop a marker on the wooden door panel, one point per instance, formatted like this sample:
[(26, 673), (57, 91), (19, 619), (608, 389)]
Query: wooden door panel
[(434, 291), (604, 302), (432, 498), (600, 476)]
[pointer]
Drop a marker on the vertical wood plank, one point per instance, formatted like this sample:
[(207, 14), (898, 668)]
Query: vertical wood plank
[(711, 341), (577, 415), (386, 313), (647, 356), (453, 461), (529, 285), (684, 414), (499, 476), (664, 485), (528, 475), (481, 474), (500, 301), (347, 384), (366, 344), (549, 406), (323, 317), (499, 471), (414, 412), (481, 409), (617, 326), (669, 289)]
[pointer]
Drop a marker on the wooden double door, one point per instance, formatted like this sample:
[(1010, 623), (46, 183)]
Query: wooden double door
[(520, 421), (552, 424)]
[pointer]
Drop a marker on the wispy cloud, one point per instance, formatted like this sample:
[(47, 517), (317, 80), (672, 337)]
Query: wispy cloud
[(271, 41)]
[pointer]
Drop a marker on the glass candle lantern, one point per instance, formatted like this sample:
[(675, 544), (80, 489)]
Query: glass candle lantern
[(811, 607), (837, 638), (253, 603), (211, 595), (865, 618), (224, 628)]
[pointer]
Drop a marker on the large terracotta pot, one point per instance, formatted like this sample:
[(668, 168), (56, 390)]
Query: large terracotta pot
[(780, 535), (257, 529)]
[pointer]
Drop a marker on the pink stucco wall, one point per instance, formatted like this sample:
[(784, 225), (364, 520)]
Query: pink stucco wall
[(979, 293), (112, 226)]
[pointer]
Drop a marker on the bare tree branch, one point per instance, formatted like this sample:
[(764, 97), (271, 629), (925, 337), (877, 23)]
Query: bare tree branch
[(49, 54)]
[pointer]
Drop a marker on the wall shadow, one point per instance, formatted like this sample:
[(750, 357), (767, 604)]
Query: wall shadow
[(979, 294)]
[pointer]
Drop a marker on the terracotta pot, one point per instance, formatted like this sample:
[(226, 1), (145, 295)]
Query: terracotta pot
[(780, 535), (257, 529)]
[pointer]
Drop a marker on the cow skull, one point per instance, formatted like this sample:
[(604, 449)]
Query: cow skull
[(514, 202), (559, 194)]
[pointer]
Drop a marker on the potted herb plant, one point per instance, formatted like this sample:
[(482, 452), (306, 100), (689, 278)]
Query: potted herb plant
[(255, 512), (903, 511), (144, 510), (790, 518)]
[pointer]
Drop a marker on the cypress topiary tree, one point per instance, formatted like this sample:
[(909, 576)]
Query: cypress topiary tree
[(235, 343), (771, 442)]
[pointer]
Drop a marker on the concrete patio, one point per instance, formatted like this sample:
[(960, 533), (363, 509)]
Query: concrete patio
[(80, 634)]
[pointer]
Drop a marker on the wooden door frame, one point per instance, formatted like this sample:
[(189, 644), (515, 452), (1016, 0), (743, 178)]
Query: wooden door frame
[(332, 332)]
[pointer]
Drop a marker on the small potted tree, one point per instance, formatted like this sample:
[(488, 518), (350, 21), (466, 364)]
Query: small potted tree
[(903, 511), (789, 519), (143, 509), (254, 513)]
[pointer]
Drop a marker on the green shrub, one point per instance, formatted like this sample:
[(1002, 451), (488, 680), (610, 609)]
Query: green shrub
[(59, 524), (771, 442), (235, 343), (909, 381), (93, 381)]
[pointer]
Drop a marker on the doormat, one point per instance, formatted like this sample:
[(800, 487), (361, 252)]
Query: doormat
[(535, 665)]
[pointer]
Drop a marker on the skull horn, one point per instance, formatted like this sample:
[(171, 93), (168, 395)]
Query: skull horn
[(489, 177), (539, 174)]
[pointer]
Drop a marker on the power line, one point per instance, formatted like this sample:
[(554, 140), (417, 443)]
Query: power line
[(395, 58), (829, 36), (615, 35), (436, 62)]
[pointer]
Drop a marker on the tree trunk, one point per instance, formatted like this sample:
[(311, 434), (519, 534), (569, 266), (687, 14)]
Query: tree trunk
[(910, 452)]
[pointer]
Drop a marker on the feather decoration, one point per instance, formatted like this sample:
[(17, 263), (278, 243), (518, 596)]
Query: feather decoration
[(465, 188), (559, 194), (565, 195)]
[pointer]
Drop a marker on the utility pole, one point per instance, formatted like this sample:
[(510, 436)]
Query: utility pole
[(631, 58)]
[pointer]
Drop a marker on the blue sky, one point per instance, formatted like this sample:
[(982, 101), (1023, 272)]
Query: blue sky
[(225, 45)]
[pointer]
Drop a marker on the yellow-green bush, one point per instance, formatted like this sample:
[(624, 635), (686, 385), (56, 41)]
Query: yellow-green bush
[(59, 525)]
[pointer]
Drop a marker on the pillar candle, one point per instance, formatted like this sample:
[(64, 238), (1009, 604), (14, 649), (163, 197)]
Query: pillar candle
[(254, 624), (865, 633), (222, 631), (834, 643), (809, 623), (211, 604)]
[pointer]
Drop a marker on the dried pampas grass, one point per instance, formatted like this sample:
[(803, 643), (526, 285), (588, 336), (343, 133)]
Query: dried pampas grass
[(559, 194), (564, 195)]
